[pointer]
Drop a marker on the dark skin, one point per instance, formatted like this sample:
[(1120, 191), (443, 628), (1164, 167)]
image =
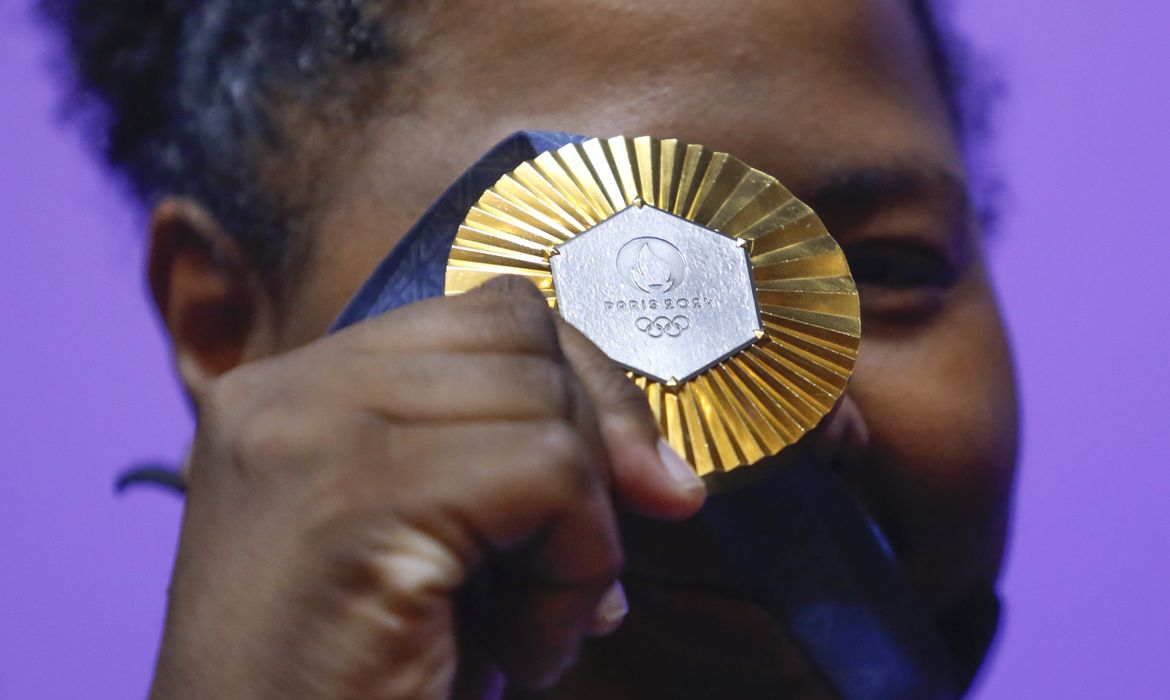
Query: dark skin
[(334, 516)]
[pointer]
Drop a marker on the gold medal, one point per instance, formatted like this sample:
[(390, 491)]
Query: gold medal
[(723, 295)]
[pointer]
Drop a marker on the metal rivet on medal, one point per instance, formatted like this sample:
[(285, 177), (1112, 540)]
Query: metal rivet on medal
[(723, 296)]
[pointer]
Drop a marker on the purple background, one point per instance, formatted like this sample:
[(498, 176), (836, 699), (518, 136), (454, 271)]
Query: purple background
[(1081, 262)]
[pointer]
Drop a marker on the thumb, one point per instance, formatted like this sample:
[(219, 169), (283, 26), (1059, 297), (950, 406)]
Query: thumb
[(649, 477)]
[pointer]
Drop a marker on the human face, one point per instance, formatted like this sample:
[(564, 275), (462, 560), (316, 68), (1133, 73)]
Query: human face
[(833, 97)]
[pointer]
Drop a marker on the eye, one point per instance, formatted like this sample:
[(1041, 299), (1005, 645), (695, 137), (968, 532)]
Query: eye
[(900, 278), (899, 265)]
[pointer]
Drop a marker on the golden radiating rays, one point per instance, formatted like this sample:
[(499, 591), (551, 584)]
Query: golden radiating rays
[(760, 400)]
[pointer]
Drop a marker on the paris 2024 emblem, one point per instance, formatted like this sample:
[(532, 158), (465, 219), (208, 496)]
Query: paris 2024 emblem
[(655, 267), (651, 265)]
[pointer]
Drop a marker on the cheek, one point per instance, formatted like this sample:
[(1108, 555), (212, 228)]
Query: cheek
[(939, 401)]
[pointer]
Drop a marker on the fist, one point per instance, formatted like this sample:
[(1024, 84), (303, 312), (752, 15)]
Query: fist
[(411, 506)]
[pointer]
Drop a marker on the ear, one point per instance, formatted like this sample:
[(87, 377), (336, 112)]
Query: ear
[(211, 298)]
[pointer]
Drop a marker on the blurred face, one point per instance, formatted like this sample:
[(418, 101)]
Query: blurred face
[(833, 97)]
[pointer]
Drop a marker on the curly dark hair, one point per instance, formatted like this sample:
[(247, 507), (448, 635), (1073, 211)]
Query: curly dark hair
[(180, 96)]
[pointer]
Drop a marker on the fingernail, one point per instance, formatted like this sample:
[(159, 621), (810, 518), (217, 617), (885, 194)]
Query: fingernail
[(611, 611), (677, 469)]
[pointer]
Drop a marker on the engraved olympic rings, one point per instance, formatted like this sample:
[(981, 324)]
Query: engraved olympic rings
[(663, 325)]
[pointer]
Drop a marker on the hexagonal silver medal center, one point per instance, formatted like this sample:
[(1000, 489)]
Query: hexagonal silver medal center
[(659, 294)]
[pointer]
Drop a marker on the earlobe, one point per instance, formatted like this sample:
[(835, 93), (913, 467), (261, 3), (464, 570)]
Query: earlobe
[(209, 295)]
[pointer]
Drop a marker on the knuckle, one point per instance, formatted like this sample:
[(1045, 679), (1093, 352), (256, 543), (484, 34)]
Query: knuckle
[(376, 553), (513, 285), (258, 421), (526, 323), (561, 444), (225, 410), (555, 385), (268, 436), (567, 453), (225, 396), (287, 438)]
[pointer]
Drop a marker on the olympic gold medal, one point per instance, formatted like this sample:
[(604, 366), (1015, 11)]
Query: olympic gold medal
[(723, 295)]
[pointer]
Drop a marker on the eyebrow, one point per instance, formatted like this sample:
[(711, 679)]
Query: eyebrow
[(850, 194)]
